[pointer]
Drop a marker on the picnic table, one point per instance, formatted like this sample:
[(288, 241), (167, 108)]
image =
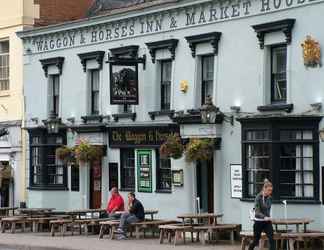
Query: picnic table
[(35, 211), (210, 217), (6, 210), (297, 222), (81, 212), (150, 212)]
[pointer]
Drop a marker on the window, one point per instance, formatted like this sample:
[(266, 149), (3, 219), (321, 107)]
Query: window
[(207, 81), (287, 154), (279, 74), (166, 69), (4, 65), (46, 171), (94, 78), (163, 174), (75, 178), (127, 159), (54, 94)]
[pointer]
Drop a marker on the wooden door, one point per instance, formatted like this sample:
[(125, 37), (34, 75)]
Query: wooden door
[(95, 185), (205, 185)]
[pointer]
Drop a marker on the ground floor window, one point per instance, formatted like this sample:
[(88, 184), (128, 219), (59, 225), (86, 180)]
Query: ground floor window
[(285, 152), (45, 169), (127, 169), (163, 174)]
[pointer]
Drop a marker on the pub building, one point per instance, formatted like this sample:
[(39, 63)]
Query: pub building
[(245, 73)]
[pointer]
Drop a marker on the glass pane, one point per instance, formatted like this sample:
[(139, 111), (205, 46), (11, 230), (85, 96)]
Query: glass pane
[(4, 47), (208, 68), (166, 71), (95, 80), (279, 59), (309, 191), (307, 135), (257, 135)]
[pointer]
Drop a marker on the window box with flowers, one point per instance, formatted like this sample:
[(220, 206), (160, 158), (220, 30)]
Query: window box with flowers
[(172, 148)]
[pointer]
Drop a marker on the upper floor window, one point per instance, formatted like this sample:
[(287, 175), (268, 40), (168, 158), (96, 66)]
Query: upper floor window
[(4, 65), (279, 74), (54, 94), (94, 89), (166, 74), (207, 81)]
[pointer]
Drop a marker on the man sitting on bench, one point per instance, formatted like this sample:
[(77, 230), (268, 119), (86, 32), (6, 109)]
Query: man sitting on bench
[(135, 214), (115, 204)]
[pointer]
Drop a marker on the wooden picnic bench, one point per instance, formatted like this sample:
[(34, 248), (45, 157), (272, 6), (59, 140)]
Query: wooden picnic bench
[(210, 229), (247, 237), (12, 222), (38, 223), (85, 223), (152, 225), (63, 225), (305, 238), (175, 231)]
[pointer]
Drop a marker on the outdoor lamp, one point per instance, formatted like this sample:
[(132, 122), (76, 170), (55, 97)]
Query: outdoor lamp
[(52, 123), (209, 111), (321, 134)]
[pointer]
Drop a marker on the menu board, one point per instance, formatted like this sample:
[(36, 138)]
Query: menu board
[(236, 181), (144, 171)]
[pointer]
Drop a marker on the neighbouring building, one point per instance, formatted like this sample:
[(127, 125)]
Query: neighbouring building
[(18, 15), (127, 78)]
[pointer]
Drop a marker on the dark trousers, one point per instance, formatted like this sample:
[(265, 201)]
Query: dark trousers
[(258, 228)]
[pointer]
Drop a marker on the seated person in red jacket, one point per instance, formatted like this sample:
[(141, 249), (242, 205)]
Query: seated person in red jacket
[(115, 204)]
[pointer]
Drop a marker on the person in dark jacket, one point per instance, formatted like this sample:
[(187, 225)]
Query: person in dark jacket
[(135, 214), (262, 223)]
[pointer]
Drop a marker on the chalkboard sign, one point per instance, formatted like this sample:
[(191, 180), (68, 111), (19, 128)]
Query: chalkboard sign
[(144, 171)]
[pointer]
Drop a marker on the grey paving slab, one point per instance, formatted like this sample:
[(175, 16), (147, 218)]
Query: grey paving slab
[(44, 242)]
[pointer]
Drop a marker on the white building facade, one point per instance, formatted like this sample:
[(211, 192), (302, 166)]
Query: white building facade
[(246, 55)]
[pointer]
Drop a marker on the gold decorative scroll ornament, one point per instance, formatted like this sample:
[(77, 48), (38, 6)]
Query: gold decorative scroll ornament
[(184, 86), (311, 52)]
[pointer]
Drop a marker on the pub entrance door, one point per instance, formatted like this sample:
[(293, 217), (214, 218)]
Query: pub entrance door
[(95, 185), (205, 185)]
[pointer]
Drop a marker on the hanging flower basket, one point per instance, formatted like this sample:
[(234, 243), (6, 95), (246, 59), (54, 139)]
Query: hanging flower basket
[(172, 147), (200, 149), (65, 154), (85, 152)]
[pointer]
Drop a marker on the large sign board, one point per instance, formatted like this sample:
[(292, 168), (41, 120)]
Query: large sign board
[(123, 83), (144, 136)]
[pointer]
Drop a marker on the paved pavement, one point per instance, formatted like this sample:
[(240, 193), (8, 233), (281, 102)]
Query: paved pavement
[(42, 241)]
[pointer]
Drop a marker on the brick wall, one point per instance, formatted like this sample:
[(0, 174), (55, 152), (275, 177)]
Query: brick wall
[(57, 11)]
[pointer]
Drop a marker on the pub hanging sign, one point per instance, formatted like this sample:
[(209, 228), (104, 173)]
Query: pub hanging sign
[(123, 83)]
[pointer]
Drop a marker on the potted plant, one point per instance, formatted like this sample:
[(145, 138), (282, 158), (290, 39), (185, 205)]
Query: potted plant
[(172, 147), (65, 154), (199, 149)]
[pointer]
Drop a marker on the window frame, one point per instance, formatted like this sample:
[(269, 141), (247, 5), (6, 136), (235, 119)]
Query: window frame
[(203, 82), (44, 146), (94, 92), (163, 106), (6, 56), (160, 189), (54, 98), (272, 77), (124, 186), (274, 127)]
